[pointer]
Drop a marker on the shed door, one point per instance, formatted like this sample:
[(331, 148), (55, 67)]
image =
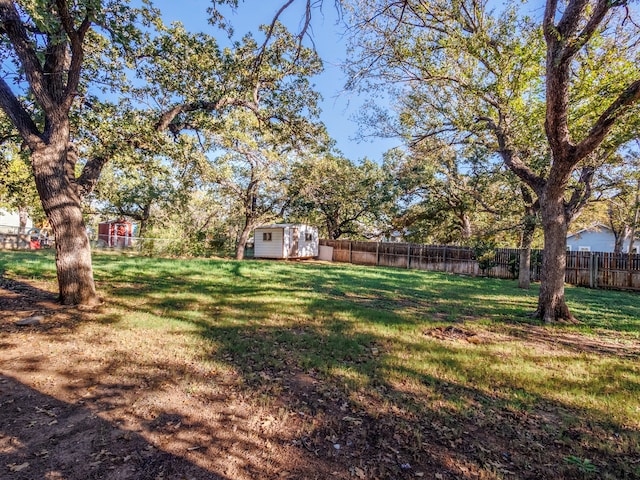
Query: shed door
[(295, 240)]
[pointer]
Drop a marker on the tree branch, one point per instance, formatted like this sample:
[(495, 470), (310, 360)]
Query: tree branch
[(580, 197), (15, 30), (603, 125), (167, 117), (512, 160), (90, 174), (19, 116), (573, 47), (76, 37)]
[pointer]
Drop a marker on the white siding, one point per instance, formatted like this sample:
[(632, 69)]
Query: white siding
[(12, 219), (269, 249), (308, 248), (286, 243), (282, 241)]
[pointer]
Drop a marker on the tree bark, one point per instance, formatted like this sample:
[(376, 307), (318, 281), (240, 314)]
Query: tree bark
[(22, 219), (552, 306), (635, 220), (242, 241), (619, 238), (54, 178), (529, 227), (466, 230), (524, 272)]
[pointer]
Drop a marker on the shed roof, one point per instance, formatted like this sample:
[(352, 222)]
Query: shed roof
[(283, 225)]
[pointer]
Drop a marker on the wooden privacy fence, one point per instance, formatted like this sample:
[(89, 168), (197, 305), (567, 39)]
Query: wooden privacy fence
[(587, 269)]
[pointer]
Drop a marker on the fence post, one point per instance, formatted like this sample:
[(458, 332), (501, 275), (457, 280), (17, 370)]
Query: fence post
[(378, 253), (444, 258), (408, 255), (350, 252)]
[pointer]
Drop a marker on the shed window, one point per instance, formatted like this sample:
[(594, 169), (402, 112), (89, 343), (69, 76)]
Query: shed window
[(584, 249), (568, 248), (266, 236), (308, 237)]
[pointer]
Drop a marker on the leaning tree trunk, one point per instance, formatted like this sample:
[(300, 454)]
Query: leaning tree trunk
[(242, 241), (551, 302), (55, 181)]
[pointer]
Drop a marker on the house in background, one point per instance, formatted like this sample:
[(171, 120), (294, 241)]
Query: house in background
[(597, 238), (12, 236), (286, 240), (10, 222)]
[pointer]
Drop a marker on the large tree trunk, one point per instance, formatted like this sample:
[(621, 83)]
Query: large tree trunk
[(619, 237), (54, 177), (466, 229), (551, 302), (242, 241)]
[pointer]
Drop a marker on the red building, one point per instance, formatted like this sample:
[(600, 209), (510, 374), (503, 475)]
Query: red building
[(115, 233)]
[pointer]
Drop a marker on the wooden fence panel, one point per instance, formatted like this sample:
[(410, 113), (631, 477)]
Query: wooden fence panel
[(587, 269), (392, 255)]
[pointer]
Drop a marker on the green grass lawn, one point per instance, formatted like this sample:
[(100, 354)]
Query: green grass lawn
[(437, 358)]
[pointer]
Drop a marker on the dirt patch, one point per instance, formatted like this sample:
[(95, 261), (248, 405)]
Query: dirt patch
[(76, 404), (451, 332)]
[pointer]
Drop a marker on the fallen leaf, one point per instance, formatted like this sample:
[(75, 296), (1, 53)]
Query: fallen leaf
[(17, 468)]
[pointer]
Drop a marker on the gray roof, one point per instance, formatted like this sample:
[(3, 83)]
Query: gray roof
[(283, 225)]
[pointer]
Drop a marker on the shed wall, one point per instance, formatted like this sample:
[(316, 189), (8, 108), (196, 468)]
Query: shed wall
[(269, 249), (308, 248)]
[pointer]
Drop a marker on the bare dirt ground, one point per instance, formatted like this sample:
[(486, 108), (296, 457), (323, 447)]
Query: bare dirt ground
[(80, 401)]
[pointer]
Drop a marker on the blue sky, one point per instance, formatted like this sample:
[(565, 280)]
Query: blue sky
[(338, 107)]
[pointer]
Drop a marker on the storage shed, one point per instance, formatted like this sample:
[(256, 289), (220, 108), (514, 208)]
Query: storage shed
[(286, 240), (115, 233)]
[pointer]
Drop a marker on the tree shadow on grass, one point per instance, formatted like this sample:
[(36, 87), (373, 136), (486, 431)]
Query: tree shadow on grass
[(43, 437), (322, 359), (322, 379), (602, 345), (399, 421)]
